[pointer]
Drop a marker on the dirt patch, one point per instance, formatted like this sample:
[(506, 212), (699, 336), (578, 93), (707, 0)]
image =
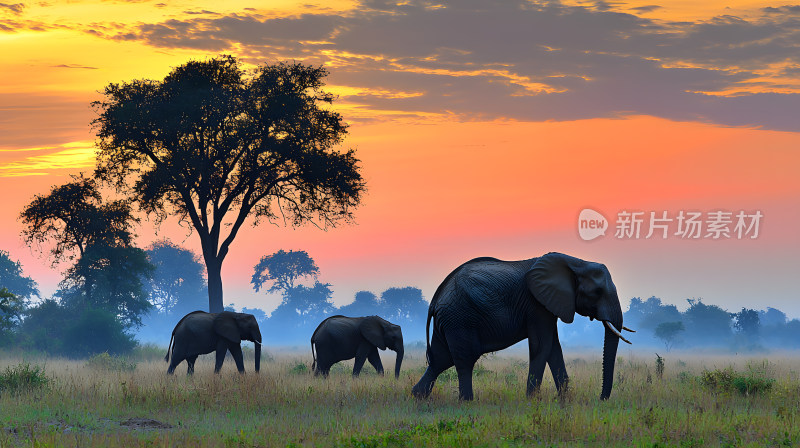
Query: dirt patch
[(144, 423)]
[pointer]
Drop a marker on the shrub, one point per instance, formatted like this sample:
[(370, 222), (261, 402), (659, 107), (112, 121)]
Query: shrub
[(728, 380), (104, 361), (299, 369), (23, 377)]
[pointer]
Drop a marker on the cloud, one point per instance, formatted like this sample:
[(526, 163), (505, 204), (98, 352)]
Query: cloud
[(525, 60), (15, 8), (43, 161), (74, 66)]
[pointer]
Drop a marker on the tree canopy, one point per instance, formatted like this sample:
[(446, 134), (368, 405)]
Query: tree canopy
[(73, 216), (177, 284), (13, 280), (282, 269), (215, 144)]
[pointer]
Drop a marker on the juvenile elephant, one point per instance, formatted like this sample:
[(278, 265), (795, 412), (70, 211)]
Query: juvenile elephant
[(487, 305), (198, 333), (339, 337)]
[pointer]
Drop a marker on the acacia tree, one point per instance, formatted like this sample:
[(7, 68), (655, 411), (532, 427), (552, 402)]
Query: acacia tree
[(74, 217), (282, 269), (215, 144), (107, 272)]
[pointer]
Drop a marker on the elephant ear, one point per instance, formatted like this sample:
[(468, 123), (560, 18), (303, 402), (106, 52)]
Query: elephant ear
[(225, 325), (554, 284), (372, 330)]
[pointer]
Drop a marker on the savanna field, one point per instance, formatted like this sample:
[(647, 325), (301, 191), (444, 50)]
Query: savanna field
[(685, 400)]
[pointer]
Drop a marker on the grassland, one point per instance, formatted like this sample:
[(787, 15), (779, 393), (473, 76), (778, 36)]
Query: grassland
[(84, 404)]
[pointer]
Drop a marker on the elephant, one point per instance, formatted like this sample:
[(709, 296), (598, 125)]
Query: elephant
[(339, 337), (198, 333), (487, 304)]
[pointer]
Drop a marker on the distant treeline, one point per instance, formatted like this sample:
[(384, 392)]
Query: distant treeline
[(122, 297)]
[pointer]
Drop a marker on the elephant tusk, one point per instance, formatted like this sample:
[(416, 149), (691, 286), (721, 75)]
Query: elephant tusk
[(628, 329), (614, 330), (256, 342)]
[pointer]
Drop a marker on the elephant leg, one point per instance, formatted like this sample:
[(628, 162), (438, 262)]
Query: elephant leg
[(539, 348), (173, 363), (222, 350), (236, 352), (375, 359), (361, 356), (465, 350), (190, 364), (557, 367), (440, 360)]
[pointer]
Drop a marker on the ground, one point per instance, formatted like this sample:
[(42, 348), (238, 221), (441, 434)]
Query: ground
[(84, 404)]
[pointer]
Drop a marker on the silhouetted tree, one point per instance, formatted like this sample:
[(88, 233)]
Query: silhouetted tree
[(668, 333), (107, 272), (771, 317), (74, 217), (404, 305), (177, 285), (214, 145), (11, 308), (648, 314), (110, 278), (707, 323), (747, 322), (13, 280), (365, 304), (282, 269)]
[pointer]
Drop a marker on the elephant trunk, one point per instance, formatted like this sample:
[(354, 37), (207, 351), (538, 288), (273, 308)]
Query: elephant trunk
[(258, 355), (398, 362), (609, 357), (611, 316)]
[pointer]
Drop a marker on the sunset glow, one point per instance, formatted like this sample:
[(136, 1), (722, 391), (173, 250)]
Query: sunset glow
[(482, 131)]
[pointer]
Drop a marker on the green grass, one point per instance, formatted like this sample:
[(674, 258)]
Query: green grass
[(22, 378), (284, 406)]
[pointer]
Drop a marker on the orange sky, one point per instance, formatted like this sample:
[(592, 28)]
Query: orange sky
[(469, 147)]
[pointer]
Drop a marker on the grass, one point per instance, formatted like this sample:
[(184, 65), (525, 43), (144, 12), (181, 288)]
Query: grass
[(104, 361), (285, 405)]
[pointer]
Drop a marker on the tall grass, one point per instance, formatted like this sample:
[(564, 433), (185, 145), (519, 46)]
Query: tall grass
[(285, 405)]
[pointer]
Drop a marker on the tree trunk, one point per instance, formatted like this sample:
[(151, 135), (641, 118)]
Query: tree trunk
[(214, 270)]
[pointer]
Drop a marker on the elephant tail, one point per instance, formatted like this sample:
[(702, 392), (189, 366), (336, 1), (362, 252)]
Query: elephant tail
[(314, 356), (427, 336), (166, 358)]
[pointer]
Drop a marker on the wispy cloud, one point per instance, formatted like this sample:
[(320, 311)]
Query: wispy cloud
[(44, 161), (75, 66), (15, 8)]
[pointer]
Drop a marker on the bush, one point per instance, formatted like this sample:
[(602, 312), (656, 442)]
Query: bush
[(23, 377), (77, 332), (106, 362), (299, 369), (727, 380)]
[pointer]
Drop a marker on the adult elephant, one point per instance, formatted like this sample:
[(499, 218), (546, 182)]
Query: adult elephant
[(487, 305), (198, 333), (339, 337)]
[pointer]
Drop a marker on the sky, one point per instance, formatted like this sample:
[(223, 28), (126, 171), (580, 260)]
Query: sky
[(484, 128)]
